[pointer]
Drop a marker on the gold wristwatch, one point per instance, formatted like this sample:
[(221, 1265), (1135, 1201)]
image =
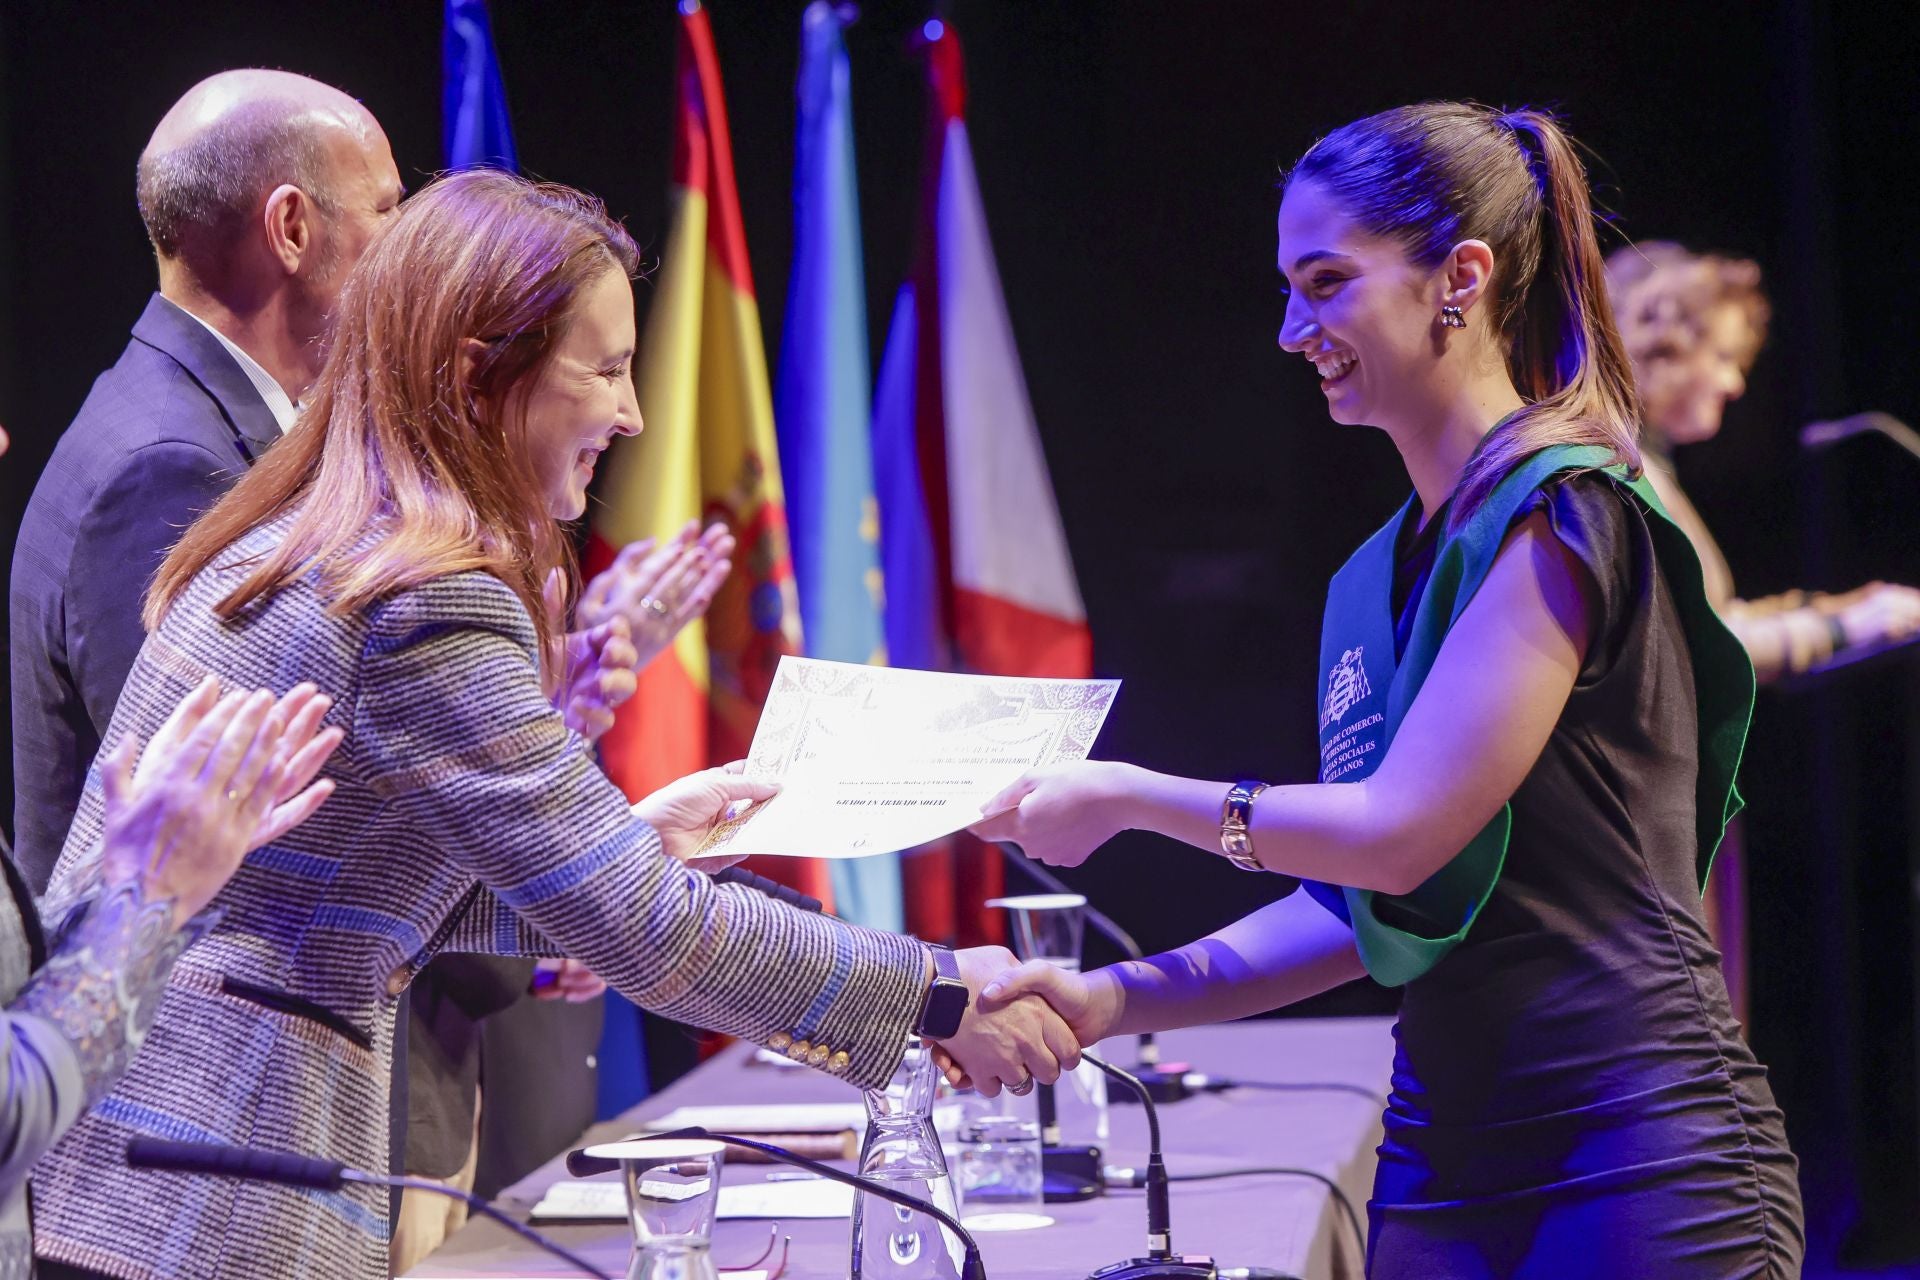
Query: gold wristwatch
[(1235, 814)]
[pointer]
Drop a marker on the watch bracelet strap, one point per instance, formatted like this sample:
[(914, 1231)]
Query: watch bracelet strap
[(1236, 841)]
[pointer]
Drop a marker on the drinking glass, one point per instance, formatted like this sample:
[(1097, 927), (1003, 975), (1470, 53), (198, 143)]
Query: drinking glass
[(997, 1165), (673, 1190), (1050, 927)]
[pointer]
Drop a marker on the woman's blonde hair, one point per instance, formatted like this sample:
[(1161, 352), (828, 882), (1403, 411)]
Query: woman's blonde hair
[(1664, 297), (413, 431)]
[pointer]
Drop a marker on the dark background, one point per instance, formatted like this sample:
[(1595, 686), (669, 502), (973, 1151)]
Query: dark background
[(1128, 155)]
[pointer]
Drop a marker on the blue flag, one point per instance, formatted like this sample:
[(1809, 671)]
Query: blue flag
[(473, 101), (821, 405)]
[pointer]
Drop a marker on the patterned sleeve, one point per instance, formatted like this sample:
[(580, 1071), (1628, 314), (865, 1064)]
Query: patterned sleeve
[(71, 1031), (453, 729), (490, 925)]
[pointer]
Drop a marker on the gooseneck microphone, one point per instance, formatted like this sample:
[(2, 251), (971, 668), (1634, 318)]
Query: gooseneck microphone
[(580, 1165), (1818, 435), (1160, 1262), (289, 1169)]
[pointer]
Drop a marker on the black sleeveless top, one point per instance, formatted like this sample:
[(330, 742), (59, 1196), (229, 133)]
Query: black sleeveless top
[(1588, 994), (1595, 935)]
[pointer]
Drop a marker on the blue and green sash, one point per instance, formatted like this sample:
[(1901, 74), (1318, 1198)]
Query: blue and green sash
[(1368, 692)]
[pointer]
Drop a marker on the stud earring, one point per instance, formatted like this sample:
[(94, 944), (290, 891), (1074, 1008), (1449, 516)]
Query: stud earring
[(1452, 318)]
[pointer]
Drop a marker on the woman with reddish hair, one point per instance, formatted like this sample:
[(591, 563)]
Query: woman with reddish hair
[(1529, 730), (394, 549)]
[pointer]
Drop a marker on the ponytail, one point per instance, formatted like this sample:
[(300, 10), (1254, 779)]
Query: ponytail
[(1565, 354), (1437, 173)]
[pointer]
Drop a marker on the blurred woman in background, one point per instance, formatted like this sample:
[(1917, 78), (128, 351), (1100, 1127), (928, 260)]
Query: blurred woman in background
[(1693, 324)]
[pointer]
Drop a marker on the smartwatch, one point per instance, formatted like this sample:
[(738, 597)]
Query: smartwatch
[(946, 1001)]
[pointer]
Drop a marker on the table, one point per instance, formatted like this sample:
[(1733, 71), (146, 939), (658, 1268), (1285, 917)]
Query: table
[(1292, 1224)]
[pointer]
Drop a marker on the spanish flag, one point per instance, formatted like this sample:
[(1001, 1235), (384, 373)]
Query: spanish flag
[(707, 451)]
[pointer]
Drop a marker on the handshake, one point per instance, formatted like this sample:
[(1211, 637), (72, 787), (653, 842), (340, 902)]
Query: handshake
[(1024, 1022)]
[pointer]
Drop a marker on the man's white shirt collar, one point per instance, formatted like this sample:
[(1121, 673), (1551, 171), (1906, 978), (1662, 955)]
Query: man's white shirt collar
[(279, 403)]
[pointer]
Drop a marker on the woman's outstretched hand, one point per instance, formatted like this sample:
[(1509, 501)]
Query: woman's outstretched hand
[(1089, 1002), (223, 776), (1059, 814), (686, 811)]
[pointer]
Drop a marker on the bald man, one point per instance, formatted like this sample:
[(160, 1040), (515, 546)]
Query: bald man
[(259, 190)]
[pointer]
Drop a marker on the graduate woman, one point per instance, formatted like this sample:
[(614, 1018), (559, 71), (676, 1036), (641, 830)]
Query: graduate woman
[(1529, 725)]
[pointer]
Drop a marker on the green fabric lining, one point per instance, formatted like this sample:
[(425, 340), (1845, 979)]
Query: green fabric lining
[(1433, 919)]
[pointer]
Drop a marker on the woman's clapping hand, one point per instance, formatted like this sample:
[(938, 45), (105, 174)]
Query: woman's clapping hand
[(659, 588), (223, 776)]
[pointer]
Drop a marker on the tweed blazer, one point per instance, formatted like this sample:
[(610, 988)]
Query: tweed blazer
[(466, 818)]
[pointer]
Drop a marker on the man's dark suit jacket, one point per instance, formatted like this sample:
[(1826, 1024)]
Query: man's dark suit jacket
[(162, 435)]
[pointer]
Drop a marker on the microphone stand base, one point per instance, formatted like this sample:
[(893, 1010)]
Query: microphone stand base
[(1189, 1267), (1071, 1174), (1164, 1084)]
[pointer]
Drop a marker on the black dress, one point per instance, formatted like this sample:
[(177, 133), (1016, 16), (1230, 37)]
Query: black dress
[(1571, 1094)]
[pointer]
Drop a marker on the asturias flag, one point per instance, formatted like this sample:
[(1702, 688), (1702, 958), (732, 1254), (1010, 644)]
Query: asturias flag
[(977, 572), (707, 451), (473, 101), (824, 408)]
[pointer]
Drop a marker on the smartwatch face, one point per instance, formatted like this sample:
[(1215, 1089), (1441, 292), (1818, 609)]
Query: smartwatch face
[(946, 1005)]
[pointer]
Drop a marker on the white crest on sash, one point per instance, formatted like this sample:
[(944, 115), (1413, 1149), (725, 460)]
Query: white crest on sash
[(1346, 685)]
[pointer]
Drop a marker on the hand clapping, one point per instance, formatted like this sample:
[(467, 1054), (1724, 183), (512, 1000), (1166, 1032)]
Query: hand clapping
[(223, 776), (629, 614), (659, 589)]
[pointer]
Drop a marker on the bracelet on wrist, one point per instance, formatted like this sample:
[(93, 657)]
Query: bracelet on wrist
[(1236, 815)]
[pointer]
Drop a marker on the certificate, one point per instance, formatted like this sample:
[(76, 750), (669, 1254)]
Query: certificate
[(876, 759)]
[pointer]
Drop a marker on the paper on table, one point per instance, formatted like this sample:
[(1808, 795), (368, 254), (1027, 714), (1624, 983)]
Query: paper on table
[(603, 1201), (810, 1198), (779, 1117), (876, 759)]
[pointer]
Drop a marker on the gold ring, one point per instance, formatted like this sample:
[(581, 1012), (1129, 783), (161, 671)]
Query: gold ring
[(232, 796)]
